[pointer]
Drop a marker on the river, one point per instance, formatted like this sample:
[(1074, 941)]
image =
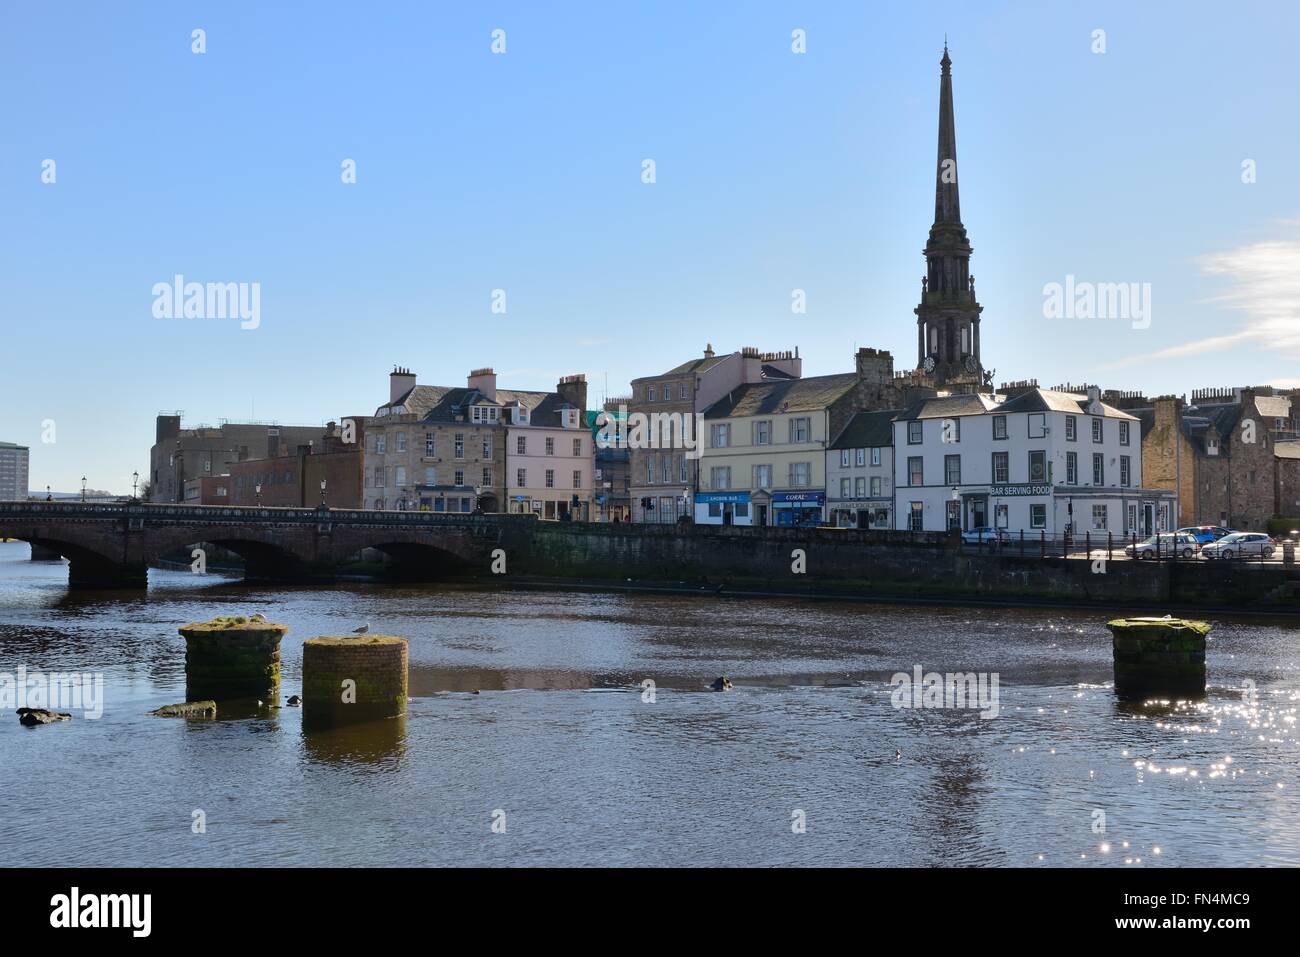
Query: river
[(806, 761)]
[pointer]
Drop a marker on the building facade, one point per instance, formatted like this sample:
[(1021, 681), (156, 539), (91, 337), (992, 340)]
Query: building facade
[(13, 472), (664, 475), (453, 449), (1042, 463), (294, 481), (860, 472)]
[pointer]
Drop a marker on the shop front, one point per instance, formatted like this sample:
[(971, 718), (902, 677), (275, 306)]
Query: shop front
[(723, 508), (798, 508)]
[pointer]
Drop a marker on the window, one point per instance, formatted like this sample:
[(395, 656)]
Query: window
[(1038, 516), (650, 470), (429, 445), (684, 391), (915, 470), (1132, 518), (484, 413), (875, 486), (721, 435), (1099, 518), (430, 475), (577, 478), (460, 477), (401, 441), (952, 469), (846, 487), (844, 458), (1001, 467), (763, 432), (1123, 433), (667, 468), (914, 433), (762, 476), (460, 445), (860, 457), (550, 445), (650, 393), (550, 478), (875, 456), (1125, 469), (381, 443), (1071, 468), (800, 429), (1038, 467), (1098, 469), (379, 476), (521, 477), (1211, 446), (521, 445), (800, 474), (720, 476), (681, 470), (999, 426), (577, 446), (487, 448), (953, 510), (399, 475), (1096, 430), (487, 477), (1071, 428), (1037, 425), (915, 521)]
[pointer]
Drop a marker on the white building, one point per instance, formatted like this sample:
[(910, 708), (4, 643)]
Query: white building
[(1040, 463), (860, 472), (13, 472)]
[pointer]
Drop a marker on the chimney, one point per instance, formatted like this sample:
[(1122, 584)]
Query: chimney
[(708, 350), (875, 366), (400, 382), (573, 389), (485, 380), (1168, 408), (168, 427)]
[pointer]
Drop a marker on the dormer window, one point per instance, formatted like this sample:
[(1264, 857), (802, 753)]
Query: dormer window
[(570, 418), (519, 415), (1211, 446), (483, 414)]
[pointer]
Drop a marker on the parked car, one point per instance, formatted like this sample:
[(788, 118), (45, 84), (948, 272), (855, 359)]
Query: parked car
[(1166, 544), (1204, 534), (1241, 545), (984, 535)]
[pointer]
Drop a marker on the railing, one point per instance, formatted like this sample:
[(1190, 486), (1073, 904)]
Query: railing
[(1108, 545), (238, 514)]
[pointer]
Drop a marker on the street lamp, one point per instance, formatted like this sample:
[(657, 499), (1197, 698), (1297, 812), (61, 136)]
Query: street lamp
[(257, 489), (48, 496), (83, 488), (135, 484), (322, 493)]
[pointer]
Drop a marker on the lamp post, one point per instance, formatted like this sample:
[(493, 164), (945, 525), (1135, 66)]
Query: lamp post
[(257, 490), (135, 484), (83, 488), (322, 493), (48, 496)]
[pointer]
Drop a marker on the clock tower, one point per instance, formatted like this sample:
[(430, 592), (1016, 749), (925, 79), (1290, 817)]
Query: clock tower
[(948, 318)]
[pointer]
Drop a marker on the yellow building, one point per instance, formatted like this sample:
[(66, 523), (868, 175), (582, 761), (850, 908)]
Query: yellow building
[(764, 460)]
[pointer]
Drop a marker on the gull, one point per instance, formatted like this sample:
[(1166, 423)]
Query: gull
[(898, 755), (362, 630)]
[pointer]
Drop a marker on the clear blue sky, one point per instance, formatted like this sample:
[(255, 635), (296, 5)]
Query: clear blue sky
[(521, 171)]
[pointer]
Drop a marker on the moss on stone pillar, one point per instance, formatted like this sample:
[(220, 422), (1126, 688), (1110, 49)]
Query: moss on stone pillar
[(353, 678), (234, 657), (1159, 657)]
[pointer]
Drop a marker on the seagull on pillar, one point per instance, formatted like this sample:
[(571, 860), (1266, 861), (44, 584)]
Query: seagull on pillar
[(362, 630)]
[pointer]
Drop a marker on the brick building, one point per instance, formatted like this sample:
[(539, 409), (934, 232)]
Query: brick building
[(294, 481)]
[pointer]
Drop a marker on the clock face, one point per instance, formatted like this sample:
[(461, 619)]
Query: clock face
[(929, 363), (971, 364)]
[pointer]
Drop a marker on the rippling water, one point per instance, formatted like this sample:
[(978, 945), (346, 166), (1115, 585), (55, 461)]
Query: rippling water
[(586, 772)]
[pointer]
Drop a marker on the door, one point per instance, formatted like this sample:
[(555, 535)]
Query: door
[(1148, 517), (979, 517), (762, 515)]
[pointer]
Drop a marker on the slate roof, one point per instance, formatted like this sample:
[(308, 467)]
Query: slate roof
[(949, 406), (867, 430), (783, 395), (694, 365), (437, 404), (1049, 400)]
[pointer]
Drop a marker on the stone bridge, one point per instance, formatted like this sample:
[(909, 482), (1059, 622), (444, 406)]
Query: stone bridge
[(113, 545)]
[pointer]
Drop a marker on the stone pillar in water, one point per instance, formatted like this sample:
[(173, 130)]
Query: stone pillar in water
[(231, 658), (1159, 657), (353, 678)]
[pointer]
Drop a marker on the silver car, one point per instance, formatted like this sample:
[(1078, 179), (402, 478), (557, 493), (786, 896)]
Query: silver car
[(1171, 545), (1241, 545)]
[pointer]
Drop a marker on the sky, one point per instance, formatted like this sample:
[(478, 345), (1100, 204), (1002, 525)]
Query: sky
[(1159, 152)]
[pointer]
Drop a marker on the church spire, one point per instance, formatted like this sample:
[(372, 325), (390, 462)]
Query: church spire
[(947, 203), (948, 317)]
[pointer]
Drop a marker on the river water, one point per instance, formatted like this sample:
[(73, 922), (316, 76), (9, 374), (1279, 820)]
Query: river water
[(805, 762)]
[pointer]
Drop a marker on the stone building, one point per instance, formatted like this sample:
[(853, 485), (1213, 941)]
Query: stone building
[(294, 481), (664, 479), (179, 454), (860, 472), (457, 449), (1230, 454)]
